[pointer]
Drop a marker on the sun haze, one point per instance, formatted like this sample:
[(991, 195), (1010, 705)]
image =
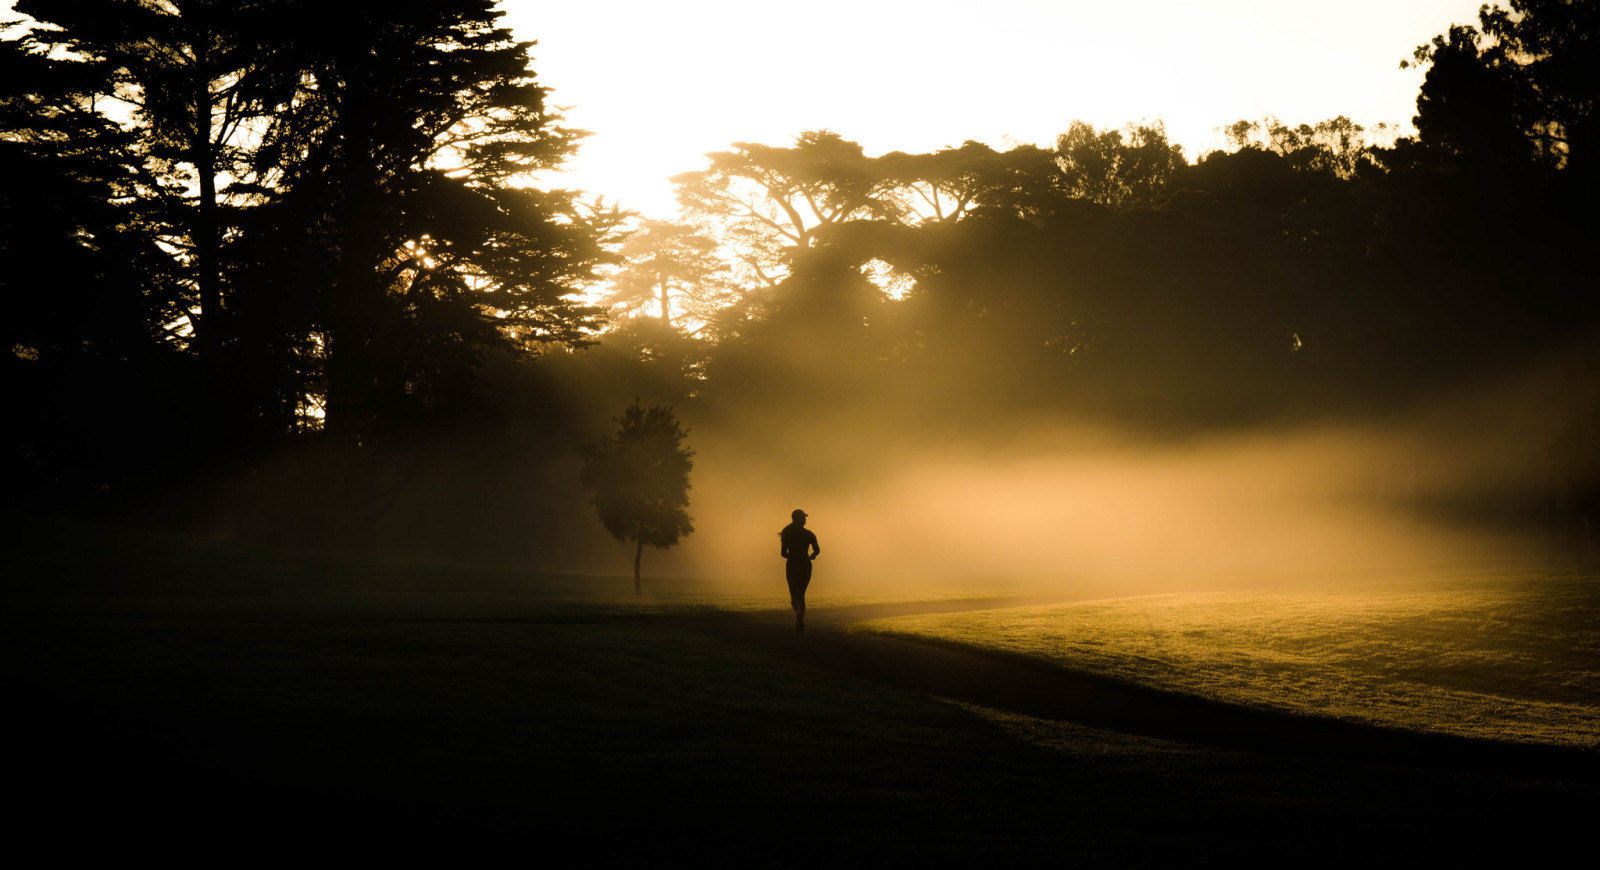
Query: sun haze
[(660, 85)]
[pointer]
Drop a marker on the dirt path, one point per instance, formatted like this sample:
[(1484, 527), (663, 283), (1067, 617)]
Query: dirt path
[(1047, 692)]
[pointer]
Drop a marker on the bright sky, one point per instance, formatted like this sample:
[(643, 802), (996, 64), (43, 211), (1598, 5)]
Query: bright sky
[(662, 83)]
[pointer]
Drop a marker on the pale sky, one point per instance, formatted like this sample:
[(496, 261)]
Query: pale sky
[(662, 83)]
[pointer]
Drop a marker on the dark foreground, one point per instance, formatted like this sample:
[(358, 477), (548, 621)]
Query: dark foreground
[(154, 712)]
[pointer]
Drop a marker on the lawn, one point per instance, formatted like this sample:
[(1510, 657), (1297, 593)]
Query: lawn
[(1504, 656)]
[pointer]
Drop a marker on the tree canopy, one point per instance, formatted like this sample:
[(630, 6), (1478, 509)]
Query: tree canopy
[(342, 209)]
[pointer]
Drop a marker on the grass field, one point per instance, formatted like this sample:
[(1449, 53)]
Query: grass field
[(1508, 657), (193, 699)]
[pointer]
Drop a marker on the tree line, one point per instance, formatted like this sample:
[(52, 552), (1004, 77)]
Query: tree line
[(232, 236), (321, 221), (1308, 266)]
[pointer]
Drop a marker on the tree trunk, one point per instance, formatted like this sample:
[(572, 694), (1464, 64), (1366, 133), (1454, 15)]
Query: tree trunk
[(637, 555), (210, 332), (351, 370), (207, 275), (204, 235)]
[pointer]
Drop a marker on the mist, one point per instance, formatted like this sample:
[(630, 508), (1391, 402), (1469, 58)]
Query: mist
[(1464, 481), (911, 492)]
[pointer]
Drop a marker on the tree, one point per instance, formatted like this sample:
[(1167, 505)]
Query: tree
[(90, 294), (770, 202), (1519, 89), (951, 183), (665, 263), (197, 80), (197, 76), (79, 245), (942, 185), (1338, 146), (1123, 175), (420, 117), (640, 480), (1467, 108), (388, 242)]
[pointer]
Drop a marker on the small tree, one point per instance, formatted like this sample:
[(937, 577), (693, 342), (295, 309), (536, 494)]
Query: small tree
[(640, 480)]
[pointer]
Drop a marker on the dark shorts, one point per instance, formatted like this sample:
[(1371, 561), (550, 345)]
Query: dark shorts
[(797, 570), (798, 573)]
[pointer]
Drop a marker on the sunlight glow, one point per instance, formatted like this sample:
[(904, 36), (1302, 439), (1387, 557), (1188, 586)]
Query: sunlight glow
[(894, 284), (660, 85)]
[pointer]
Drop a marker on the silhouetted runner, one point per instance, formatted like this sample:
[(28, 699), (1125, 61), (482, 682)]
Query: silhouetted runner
[(799, 546)]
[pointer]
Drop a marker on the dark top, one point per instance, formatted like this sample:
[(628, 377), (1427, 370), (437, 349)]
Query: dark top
[(796, 541)]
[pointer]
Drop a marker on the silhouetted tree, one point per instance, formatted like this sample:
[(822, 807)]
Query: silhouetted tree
[(420, 115), (1117, 172), (1495, 200), (770, 201), (199, 78), (942, 185), (1338, 145), (1492, 198), (1468, 107), (1518, 89), (640, 480), (81, 244), (290, 225), (948, 184), (391, 249), (91, 297)]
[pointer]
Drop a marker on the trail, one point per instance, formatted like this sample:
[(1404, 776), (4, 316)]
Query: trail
[(1050, 692)]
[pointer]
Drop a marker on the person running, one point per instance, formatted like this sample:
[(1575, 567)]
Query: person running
[(799, 546)]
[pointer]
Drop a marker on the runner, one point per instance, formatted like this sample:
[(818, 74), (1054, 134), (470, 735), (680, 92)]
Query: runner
[(799, 546)]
